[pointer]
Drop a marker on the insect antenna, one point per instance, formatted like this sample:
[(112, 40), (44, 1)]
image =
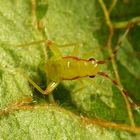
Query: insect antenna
[(118, 46), (134, 105), (119, 43)]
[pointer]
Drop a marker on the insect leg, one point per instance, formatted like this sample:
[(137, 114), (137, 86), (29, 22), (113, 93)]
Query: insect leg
[(30, 81), (51, 87), (48, 90)]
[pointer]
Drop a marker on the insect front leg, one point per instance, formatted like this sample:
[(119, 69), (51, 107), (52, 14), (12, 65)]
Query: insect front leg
[(47, 91)]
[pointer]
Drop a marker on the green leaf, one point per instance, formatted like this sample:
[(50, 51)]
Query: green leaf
[(64, 22)]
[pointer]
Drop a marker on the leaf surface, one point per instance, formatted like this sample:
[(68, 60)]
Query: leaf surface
[(64, 22)]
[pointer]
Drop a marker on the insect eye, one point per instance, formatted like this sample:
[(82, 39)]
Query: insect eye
[(91, 59), (92, 76)]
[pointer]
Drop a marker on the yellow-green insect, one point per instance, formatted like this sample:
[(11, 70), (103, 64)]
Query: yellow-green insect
[(59, 68)]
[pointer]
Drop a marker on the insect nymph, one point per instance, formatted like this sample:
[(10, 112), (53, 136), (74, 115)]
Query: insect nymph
[(59, 68)]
